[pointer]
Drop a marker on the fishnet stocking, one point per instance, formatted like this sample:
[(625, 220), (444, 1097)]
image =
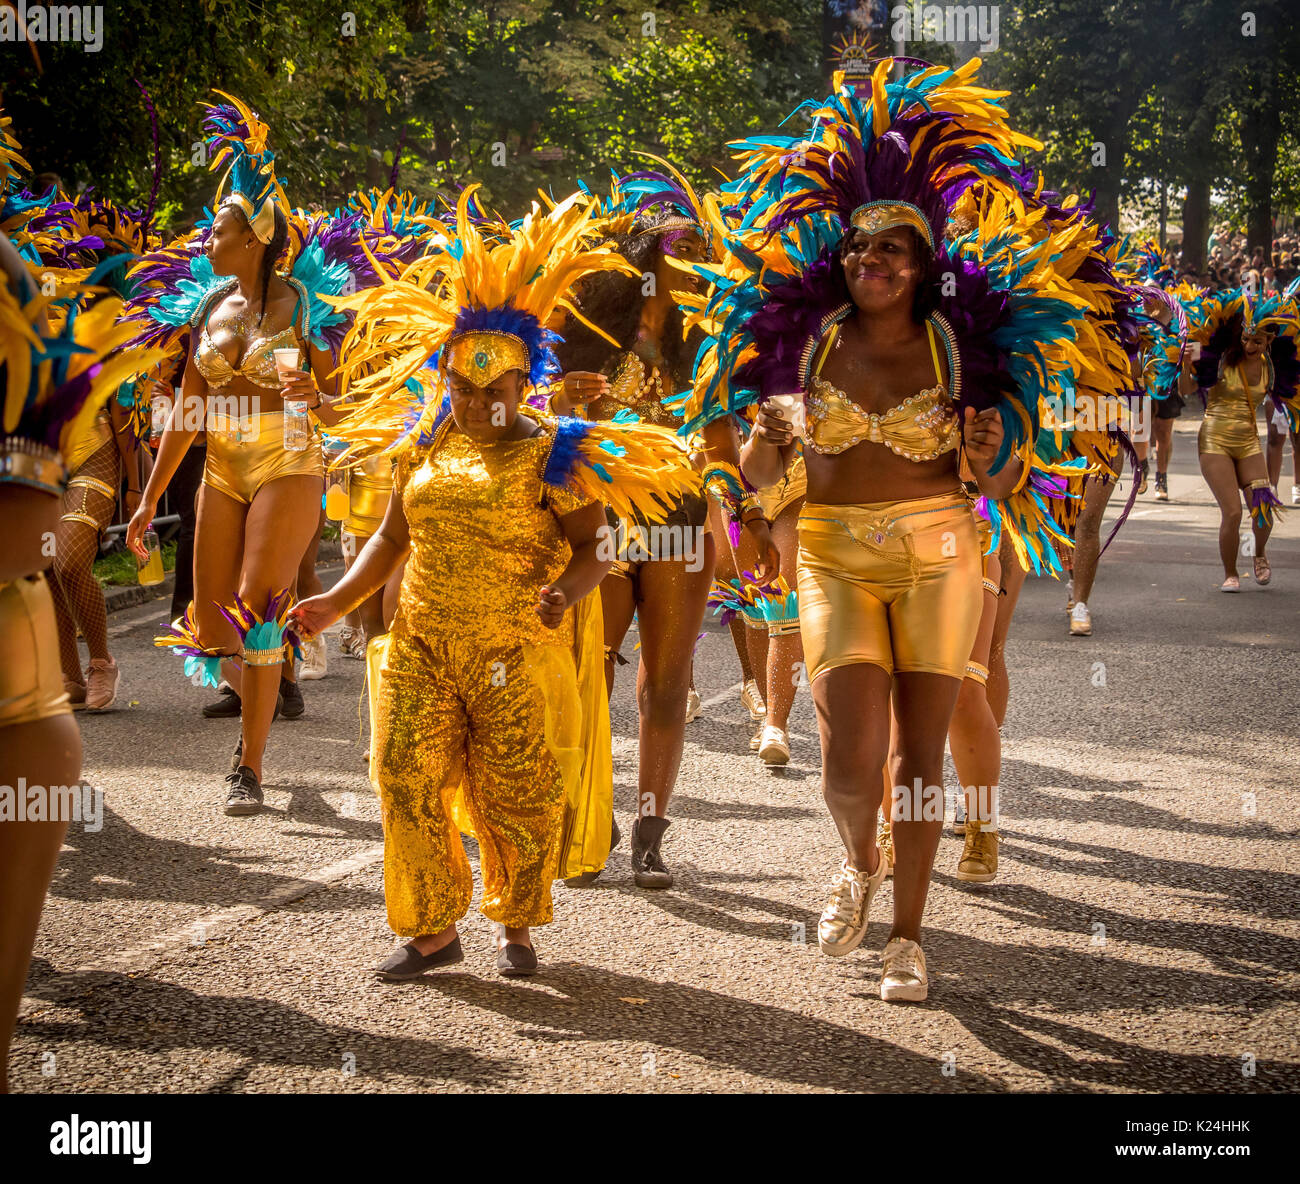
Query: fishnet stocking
[(78, 598)]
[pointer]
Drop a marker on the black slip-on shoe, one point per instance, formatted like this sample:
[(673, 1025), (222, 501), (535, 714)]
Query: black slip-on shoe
[(407, 962), (516, 961), (243, 792)]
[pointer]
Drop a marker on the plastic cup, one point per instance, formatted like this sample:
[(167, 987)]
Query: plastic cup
[(790, 406), (149, 570), (285, 359)]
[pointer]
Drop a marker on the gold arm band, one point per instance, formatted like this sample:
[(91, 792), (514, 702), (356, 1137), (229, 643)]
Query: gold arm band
[(77, 516), (271, 657), (992, 586), (783, 628)]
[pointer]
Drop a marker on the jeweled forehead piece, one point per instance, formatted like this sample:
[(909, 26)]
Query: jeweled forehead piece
[(482, 356), (876, 216)]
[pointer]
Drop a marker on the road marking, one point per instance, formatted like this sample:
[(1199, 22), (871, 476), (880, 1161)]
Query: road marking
[(721, 696), (147, 955)]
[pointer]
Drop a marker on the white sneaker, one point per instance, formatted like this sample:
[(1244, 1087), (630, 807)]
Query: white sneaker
[(1080, 620), (843, 922), (314, 659), (903, 978), (692, 705), (1295, 495), (774, 747)]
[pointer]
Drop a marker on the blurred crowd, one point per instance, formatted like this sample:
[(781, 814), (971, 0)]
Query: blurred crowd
[(1231, 263)]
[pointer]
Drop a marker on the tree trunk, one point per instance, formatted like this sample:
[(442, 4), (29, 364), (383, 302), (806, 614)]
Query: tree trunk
[(1196, 224), (374, 168), (1261, 131)]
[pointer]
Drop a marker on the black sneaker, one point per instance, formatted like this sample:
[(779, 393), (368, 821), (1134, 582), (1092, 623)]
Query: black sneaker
[(1162, 487), (291, 695), (227, 707), (243, 792)]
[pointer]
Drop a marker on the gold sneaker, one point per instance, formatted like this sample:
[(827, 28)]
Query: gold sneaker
[(752, 698), (692, 704), (903, 978), (979, 858), (843, 922), (885, 841)]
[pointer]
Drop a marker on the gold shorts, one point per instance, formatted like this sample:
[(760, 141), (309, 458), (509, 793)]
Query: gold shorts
[(31, 679), (787, 491), (1228, 435), (894, 584), (367, 501), (239, 467)]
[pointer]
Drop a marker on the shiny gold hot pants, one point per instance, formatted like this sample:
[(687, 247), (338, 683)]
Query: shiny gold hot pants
[(240, 467), (894, 584), (1228, 435), (368, 496), (31, 679), (787, 491), (464, 728)]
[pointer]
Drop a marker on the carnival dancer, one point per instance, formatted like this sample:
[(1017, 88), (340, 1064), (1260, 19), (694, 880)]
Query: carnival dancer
[(491, 711), (57, 370), (662, 573), (260, 499), (899, 372), (1248, 353)]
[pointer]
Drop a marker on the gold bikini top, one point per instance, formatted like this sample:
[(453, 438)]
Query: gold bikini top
[(258, 363), (922, 427)]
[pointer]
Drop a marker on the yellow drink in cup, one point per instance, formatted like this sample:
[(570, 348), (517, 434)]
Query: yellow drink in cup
[(336, 502), (149, 571)]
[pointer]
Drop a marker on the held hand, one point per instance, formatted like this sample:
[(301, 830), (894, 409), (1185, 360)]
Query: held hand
[(772, 427), (983, 433), (313, 615), (582, 386), (135, 530), (768, 564), (551, 603), (299, 384)]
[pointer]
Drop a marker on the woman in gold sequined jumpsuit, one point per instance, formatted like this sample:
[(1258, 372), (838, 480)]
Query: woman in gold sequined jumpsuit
[(479, 708)]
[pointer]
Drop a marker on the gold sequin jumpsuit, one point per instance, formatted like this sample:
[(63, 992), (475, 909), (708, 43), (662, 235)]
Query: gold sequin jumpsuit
[(478, 718)]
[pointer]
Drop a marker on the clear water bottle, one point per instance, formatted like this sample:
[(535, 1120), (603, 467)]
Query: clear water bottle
[(160, 410), (297, 427)]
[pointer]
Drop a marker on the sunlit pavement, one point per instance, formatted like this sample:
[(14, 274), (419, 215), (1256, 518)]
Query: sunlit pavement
[(1140, 935)]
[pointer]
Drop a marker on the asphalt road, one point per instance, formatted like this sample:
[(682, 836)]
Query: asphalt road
[(1141, 935)]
